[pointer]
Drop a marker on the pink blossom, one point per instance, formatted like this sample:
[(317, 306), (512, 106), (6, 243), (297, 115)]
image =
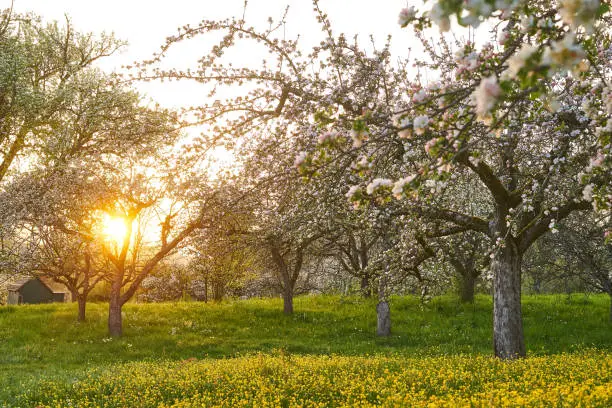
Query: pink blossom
[(485, 96), (406, 15)]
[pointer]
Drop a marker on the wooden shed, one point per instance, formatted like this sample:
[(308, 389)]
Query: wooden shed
[(33, 290)]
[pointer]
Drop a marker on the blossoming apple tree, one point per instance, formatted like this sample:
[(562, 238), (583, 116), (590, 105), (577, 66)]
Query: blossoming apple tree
[(527, 114), (42, 68)]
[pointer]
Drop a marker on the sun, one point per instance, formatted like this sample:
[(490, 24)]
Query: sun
[(114, 228)]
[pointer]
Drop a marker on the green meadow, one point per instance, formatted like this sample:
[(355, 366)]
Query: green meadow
[(49, 359)]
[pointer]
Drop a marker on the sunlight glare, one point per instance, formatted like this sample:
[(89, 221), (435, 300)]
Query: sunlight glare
[(115, 229)]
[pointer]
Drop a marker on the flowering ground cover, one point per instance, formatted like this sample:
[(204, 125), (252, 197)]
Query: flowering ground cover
[(326, 354), (582, 379)]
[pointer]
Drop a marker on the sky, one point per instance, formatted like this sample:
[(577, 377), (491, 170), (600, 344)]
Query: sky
[(145, 24)]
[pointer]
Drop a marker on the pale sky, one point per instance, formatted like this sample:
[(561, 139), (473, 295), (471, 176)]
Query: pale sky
[(144, 24)]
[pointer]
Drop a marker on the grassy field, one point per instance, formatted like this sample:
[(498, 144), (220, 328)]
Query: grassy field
[(194, 354)]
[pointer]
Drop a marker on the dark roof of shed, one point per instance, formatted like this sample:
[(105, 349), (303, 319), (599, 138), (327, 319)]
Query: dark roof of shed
[(18, 284), (54, 286)]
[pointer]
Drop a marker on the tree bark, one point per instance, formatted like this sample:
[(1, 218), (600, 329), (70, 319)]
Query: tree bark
[(537, 285), (288, 300), (383, 311), (115, 324), (366, 288), (82, 301), (468, 282), (383, 314), (218, 291), (508, 338)]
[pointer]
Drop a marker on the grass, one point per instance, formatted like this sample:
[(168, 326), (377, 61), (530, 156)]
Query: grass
[(43, 347)]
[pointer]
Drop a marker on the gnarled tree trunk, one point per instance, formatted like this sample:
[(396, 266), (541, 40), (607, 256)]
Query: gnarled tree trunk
[(508, 338)]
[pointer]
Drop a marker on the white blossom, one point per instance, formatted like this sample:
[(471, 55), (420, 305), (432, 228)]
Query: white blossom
[(403, 123), (300, 159), (565, 53), (420, 96), (518, 60), (377, 183), (406, 15), (607, 100), (420, 123), (485, 96), (358, 137), (351, 192), (327, 137), (503, 36), (439, 17), (587, 192), (577, 13), (398, 187)]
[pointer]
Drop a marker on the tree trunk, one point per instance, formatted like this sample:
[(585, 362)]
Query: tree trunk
[(383, 314), (366, 289), (82, 300), (468, 282), (383, 311), (537, 285), (508, 339), (217, 291), (288, 300), (115, 325)]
